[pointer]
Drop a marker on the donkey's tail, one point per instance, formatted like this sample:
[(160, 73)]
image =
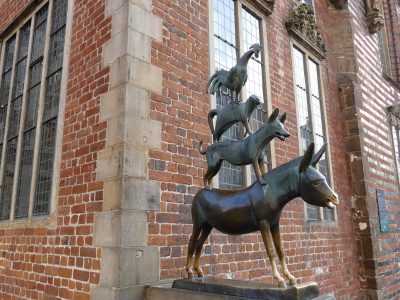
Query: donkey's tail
[(211, 116), (201, 150)]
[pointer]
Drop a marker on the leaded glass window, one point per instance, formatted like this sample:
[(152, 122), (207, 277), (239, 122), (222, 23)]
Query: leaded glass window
[(236, 28), (394, 114), (30, 79), (310, 118)]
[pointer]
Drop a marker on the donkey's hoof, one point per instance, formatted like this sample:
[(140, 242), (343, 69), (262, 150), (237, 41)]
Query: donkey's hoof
[(282, 284), (190, 274), (293, 281), (207, 188)]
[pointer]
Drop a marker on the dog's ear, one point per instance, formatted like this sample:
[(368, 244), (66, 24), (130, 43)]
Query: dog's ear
[(283, 118), (274, 115), (307, 157)]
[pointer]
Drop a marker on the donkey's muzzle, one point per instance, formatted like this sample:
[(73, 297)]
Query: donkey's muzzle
[(332, 201)]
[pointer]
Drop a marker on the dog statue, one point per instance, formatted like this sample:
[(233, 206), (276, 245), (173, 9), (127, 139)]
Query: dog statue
[(231, 114), (249, 150)]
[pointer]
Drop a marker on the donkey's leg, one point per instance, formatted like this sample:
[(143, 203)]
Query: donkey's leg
[(191, 247), (276, 235), (205, 232), (267, 238)]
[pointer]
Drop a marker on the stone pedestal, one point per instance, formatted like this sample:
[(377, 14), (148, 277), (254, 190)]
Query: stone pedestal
[(212, 288)]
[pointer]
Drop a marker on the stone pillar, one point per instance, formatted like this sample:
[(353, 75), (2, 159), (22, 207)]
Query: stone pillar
[(127, 263), (371, 283)]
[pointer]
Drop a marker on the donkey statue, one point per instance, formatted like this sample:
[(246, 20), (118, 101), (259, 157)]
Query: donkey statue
[(259, 207)]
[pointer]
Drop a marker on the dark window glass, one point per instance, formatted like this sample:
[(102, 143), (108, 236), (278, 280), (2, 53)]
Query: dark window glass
[(45, 174), (52, 96), (51, 102), (307, 92), (230, 176), (8, 179), (25, 174)]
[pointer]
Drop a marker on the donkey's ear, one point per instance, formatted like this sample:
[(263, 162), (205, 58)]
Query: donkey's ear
[(274, 115), (318, 155), (307, 157), (283, 118)]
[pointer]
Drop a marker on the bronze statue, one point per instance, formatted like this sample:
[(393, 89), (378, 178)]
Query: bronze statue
[(249, 150), (259, 207), (236, 77), (231, 114)]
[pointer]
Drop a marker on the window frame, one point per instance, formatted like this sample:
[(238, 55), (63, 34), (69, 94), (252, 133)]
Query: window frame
[(309, 56), (394, 124), (48, 219), (266, 88)]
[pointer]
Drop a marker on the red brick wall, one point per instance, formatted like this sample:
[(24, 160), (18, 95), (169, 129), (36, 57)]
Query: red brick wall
[(325, 254), (377, 93), (60, 261)]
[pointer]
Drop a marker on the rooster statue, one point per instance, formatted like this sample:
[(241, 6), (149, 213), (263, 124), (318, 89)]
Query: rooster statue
[(236, 77)]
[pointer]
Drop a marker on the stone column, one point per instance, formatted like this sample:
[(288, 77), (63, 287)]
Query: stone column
[(127, 263)]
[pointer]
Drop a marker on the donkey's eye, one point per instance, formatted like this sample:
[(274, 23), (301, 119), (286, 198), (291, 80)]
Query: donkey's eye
[(315, 183)]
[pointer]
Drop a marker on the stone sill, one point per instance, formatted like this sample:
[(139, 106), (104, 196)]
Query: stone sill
[(265, 6), (47, 221)]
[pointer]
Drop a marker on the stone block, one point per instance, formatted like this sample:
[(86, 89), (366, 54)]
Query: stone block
[(124, 267), (128, 69), (131, 193), (139, 132), (115, 228), (127, 41), (113, 293), (121, 160), (113, 5), (141, 194), (125, 98)]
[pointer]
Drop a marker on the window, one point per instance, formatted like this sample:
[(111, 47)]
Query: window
[(394, 114), (236, 28), (310, 117), (384, 55), (30, 84)]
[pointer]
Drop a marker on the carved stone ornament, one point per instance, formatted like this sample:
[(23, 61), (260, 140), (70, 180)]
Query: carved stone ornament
[(338, 4), (374, 16), (394, 114), (265, 6), (301, 26)]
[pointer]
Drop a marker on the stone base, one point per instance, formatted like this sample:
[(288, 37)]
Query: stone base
[(224, 289)]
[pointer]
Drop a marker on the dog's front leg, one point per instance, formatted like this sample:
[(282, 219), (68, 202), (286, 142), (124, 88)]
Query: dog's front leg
[(257, 170), (247, 126)]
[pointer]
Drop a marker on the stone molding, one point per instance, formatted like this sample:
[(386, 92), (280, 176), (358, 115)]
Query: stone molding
[(394, 114), (120, 230), (302, 27), (374, 16), (339, 4), (265, 6)]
